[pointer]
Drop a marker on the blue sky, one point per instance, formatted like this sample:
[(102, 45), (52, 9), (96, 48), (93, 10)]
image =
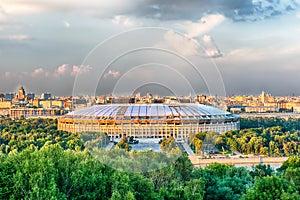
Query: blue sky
[(236, 47)]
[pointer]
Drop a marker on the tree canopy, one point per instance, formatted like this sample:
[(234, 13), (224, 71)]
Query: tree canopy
[(39, 162)]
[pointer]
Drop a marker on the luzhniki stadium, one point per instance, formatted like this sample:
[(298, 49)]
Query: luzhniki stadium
[(149, 120)]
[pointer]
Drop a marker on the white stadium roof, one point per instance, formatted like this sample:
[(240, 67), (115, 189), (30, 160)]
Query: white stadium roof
[(151, 111)]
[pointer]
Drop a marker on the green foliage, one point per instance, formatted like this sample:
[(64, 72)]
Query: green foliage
[(272, 187), (184, 167), (290, 124), (224, 181), (290, 170), (261, 171), (291, 162), (168, 145), (52, 173), (123, 144), (204, 142), (94, 139), (269, 141), (137, 161), (40, 162), (55, 173), (194, 189), (35, 133)]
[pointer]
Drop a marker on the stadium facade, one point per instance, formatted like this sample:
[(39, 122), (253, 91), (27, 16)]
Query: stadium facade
[(149, 120)]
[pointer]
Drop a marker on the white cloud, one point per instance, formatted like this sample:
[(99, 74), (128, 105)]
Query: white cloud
[(19, 37), (67, 24), (124, 21), (185, 46), (298, 15), (263, 53), (112, 73), (17, 7), (3, 16), (181, 44), (39, 72), (207, 39), (61, 71), (92, 7), (205, 24), (248, 55), (65, 69), (83, 69), (210, 48)]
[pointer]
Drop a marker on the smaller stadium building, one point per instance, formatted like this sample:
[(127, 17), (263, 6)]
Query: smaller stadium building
[(149, 120)]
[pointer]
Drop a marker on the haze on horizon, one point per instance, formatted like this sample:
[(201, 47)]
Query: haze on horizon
[(255, 45)]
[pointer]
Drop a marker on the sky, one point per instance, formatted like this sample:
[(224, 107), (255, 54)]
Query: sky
[(216, 47)]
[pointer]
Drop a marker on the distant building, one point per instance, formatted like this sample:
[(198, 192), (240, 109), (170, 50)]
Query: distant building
[(34, 112), (261, 109), (36, 103), (121, 100), (9, 96), (201, 98), (45, 103), (262, 97), (236, 109), (296, 109), (46, 96), (5, 104), (31, 96), (21, 94), (68, 105), (57, 103)]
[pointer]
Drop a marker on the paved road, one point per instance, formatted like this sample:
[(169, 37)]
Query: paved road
[(109, 146), (198, 161), (186, 147)]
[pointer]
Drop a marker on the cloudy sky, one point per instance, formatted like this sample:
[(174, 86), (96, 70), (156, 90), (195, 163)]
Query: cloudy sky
[(91, 47)]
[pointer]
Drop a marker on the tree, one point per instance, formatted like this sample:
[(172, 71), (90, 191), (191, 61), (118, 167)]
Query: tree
[(224, 181), (123, 144), (291, 162), (261, 171), (168, 145), (116, 196), (291, 170), (184, 167), (54, 173), (194, 189), (272, 187), (129, 196)]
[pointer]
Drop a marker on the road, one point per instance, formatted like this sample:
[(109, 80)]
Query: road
[(255, 160)]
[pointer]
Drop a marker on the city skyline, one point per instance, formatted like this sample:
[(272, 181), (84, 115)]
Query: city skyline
[(254, 44), (140, 93)]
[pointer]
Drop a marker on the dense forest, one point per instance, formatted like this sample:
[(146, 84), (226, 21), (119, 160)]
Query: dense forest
[(265, 141), (16, 135), (263, 136), (40, 162), (55, 173)]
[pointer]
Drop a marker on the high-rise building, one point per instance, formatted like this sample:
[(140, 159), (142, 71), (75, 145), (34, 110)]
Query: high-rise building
[(21, 94), (262, 96)]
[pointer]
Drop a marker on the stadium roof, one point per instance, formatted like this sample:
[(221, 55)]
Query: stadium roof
[(151, 111)]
